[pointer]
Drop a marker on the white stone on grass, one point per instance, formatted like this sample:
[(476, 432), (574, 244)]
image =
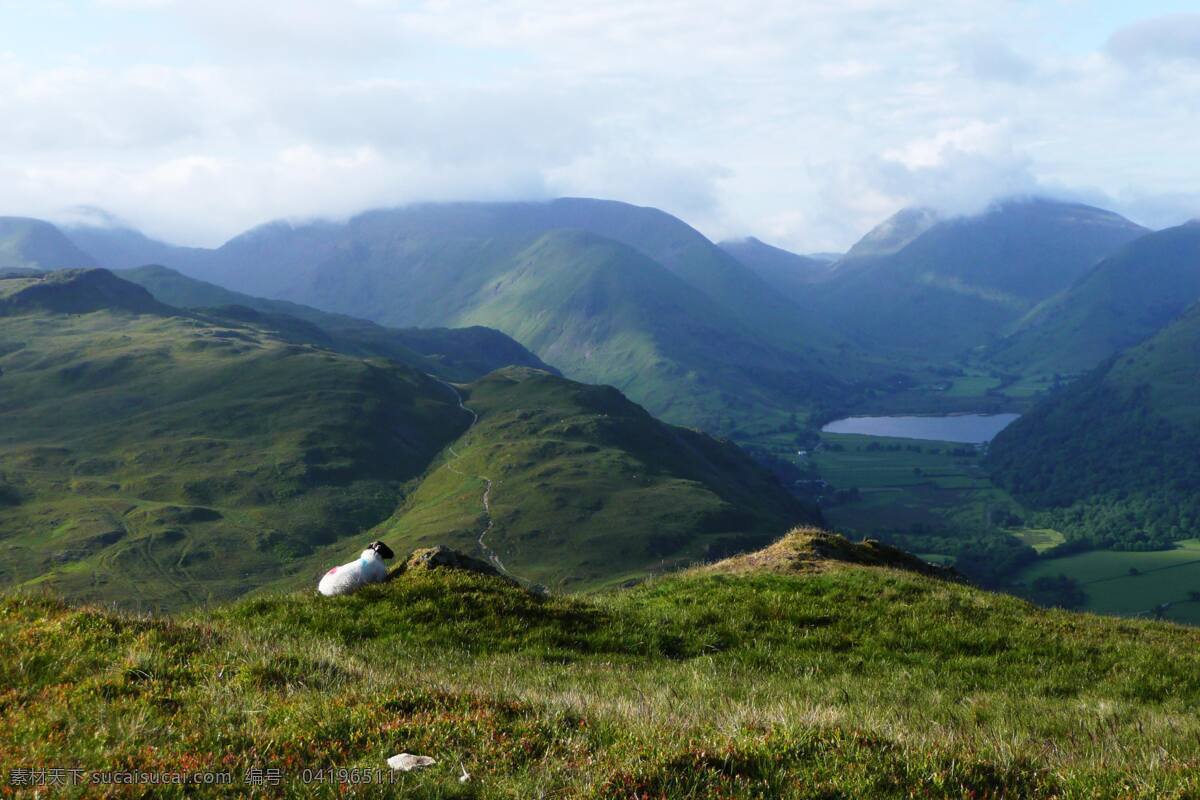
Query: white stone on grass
[(407, 762)]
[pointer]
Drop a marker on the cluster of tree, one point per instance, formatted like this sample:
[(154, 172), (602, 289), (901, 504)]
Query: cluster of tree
[(786, 471), (1099, 464), (1138, 521), (988, 559), (879, 447), (1058, 591)]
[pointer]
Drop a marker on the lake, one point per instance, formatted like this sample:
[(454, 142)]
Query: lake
[(965, 428)]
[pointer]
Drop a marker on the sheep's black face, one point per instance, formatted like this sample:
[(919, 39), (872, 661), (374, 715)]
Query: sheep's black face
[(382, 549)]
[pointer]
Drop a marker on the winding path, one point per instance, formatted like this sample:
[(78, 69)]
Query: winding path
[(487, 490)]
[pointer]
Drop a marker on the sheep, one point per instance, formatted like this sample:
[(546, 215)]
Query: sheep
[(369, 568)]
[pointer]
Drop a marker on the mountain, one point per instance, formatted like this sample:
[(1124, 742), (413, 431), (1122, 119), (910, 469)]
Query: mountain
[(1124, 299), (605, 291), (821, 668), (155, 456), (284, 259), (586, 487), (893, 234), (290, 261), (451, 353), (785, 272), (34, 244), (1111, 457), (118, 247), (164, 457), (941, 287)]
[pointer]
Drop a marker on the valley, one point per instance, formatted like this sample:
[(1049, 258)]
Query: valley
[(182, 448), (600, 401), (740, 340)]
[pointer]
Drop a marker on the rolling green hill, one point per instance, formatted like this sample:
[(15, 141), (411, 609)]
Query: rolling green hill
[(940, 287), (160, 457), (451, 353), (604, 291), (1124, 299), (587, 488), (155, 457), (1112, 456), (611, 315), (802, 674), (618, 317), (34, 244)]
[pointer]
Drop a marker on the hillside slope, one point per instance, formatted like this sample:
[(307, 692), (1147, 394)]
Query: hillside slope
[(587, 488), (847, 681), (160, 457), (939, 287), (787, 273), (454, 247), (1124, 299), (154, 457), (34, 244), (1113, 455), (451, 353), (117, 247)]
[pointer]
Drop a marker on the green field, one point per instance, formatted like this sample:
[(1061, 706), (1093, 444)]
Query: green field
[(922, 483), (979, 389), (1040, 539), (971, 386), (1164, 576)]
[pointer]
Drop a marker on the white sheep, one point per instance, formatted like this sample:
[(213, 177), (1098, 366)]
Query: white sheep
[(369, 568)]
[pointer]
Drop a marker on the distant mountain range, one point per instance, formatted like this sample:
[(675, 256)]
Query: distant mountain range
[(788, 273), (940, 287), (34, 244), (607, 292), (1123, 300), (452, 353), (728, 338)]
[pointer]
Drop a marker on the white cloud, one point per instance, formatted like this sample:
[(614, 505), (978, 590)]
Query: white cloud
[(802, 122), (1175, 36)]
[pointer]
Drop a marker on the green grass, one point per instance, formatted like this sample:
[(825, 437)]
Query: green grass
[(971, 386), (1163, 576), (848, 682)]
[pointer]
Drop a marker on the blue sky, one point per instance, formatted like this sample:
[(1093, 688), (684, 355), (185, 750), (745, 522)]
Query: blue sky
[(803, 123)]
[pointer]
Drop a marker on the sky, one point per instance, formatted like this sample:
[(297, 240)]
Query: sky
[(803, 123)]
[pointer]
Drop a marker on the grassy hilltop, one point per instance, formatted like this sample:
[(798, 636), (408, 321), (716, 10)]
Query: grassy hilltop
[(815, 669)]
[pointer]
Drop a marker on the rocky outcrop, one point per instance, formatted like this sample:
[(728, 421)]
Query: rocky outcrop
[(442, 557), (813, 550)]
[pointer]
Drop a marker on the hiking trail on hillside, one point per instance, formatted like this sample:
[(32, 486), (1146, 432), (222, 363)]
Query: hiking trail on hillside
[(490, 554)]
